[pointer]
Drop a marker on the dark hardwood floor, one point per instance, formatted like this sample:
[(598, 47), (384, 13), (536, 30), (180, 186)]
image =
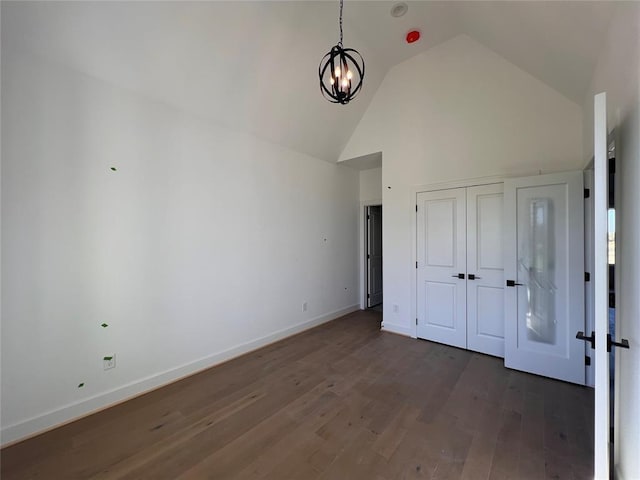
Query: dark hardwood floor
[(341, 401)]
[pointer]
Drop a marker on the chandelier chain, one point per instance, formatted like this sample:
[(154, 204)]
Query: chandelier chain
[(340, 43)]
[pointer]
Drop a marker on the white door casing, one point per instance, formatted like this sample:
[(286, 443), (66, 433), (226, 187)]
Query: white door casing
[(544, 257), (485, 272), (441, 256)]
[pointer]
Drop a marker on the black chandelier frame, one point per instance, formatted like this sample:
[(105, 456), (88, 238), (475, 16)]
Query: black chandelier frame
[(341, 61)]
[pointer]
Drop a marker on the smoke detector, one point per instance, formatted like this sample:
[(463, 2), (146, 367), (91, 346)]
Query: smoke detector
[(399, 9)]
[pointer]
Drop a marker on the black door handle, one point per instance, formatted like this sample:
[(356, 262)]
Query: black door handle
[(472, 276), (460, 276), (624, 343), (591, 339), (512, 283)]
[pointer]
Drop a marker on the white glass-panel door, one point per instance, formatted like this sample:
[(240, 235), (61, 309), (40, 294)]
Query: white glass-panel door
[(544, 273)]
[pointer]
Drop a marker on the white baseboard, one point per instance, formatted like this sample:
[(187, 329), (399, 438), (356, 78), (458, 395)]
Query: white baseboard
[(398, 329), (69, 413)]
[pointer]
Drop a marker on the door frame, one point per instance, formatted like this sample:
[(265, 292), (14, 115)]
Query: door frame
[(363, 248), (589, 290)]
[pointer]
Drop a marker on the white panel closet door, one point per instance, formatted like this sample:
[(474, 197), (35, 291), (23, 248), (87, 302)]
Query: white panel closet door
[(544, 265), (485, 272), (441, 256)]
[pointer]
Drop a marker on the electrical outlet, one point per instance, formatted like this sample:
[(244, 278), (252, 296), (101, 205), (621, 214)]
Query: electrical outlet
[(304, 306), (109, 362)]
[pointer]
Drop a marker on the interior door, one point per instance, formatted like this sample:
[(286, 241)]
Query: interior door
[(544, 270), (485, 271), (374, 255), (441, 266), (601, 287)]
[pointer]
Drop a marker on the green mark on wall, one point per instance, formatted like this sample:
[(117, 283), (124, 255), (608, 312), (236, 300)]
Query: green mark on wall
[(81, 385), (113, 169), (104, 325), (107, 358)]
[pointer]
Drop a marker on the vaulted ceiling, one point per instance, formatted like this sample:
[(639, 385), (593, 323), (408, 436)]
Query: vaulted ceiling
[(252, 66)]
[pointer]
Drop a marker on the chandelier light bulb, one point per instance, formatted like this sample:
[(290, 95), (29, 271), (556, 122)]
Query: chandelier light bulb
[(338, 72), (349, 74)]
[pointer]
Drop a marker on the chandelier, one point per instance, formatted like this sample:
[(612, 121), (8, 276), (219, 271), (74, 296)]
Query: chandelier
[(341, 72)]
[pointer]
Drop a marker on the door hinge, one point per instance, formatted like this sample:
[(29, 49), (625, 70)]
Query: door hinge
[(587, 193), (368, 256), (612, 165), (368, 217), (587, 360), (368, 296), (416, 208), (416, 321), (416, 264), (587, 277)]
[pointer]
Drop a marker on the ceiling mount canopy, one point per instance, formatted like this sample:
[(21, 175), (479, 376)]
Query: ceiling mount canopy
[(341, 72)]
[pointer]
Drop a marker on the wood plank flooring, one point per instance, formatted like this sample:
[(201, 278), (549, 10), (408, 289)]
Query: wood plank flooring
[(341, 401)]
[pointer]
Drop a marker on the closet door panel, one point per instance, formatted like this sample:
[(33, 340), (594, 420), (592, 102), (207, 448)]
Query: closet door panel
[(485, 271), (441, 242)]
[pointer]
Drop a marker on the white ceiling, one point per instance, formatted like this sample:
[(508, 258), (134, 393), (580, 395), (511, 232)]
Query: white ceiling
[(252, 66)]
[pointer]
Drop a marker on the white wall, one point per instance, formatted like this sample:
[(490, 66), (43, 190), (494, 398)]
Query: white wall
[(617, 74), (203, 244), (371, 185), (457, 111)]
